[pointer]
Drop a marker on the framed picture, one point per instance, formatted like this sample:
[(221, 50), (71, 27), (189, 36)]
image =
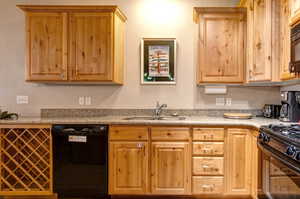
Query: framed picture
[(158, 61)]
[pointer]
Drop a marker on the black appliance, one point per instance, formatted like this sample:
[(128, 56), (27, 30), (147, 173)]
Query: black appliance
[(80, 158), (280, 145), (295, 49), (272, 111), (290, 110)]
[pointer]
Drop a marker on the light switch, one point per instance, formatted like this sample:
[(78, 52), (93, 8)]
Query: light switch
[(22, 99), (81, 101), (88, 100), (228, 101), (220, 101)]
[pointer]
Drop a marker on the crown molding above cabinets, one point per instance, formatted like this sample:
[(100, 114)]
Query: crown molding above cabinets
[(61, 48)]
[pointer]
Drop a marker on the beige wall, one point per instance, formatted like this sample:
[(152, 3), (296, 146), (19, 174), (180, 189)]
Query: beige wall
[(176, 22)]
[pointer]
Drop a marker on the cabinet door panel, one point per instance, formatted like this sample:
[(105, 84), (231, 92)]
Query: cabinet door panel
[(238, 170), (221, 47), (261, 70), (285, 38), (171, 168), (295, 10), (46, 46), (91, 46), (128, 168)]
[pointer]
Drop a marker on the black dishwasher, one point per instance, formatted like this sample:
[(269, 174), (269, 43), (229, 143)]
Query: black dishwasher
[(80, 157)]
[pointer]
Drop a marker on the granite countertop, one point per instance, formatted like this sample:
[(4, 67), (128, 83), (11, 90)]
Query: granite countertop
[(192, 120)]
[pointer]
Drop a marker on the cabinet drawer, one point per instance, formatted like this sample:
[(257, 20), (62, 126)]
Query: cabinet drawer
[(208, 148), (208, 185), (128, 133), (208, 166), (208, 134), (170, 133)]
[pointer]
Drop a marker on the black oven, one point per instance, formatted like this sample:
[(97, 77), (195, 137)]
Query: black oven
[(295, 49), (280, 175)]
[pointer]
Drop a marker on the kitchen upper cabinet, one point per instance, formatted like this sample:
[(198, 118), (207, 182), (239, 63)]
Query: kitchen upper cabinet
[(171, 168), (221, 45), (75, 44), (46, 46), (91, 46), (262, 40), (285, 40), (128, 168), (295, 11), (238, 160)]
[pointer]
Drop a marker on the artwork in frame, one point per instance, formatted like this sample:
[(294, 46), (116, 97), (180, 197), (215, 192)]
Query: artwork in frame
[(158, 61)]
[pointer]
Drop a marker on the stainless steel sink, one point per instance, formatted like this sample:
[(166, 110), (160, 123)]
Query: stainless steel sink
[(152, 118)]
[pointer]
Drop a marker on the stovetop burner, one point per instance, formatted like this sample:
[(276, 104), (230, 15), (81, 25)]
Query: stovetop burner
[(290, 132)]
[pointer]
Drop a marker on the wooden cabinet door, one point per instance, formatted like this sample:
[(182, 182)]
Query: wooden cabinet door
[(237, 162), (91, 41), (295, 9), (261, 69), (221, 48), (128, 168), (46, 47), (171, 168), (285, 39)]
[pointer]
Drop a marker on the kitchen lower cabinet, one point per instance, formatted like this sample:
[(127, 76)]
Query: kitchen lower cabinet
[(171, 169), (128, 167), (26, 160), (197, 161), (238, 160)]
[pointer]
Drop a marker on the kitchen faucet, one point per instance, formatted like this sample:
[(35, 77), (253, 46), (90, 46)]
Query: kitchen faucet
[(158, 110)]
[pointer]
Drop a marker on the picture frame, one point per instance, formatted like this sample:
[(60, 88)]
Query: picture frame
[(158, 61)]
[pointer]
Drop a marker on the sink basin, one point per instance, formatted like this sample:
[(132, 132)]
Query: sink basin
[(152, 118)]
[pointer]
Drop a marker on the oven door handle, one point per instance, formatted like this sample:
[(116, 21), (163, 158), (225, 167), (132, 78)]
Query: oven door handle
[(278, 156)]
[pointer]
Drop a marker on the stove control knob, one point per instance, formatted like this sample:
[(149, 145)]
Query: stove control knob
[(266, 139), (261, 136), (297, 157), (291, 151)]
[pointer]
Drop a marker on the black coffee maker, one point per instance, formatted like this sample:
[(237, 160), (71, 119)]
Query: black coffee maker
[(290, 110)]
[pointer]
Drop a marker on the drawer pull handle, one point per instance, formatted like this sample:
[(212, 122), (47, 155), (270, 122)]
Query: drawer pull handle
[(208, 187), (205, 166)]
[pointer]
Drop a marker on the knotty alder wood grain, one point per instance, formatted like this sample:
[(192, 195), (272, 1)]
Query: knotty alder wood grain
[(170, 168), (295, 12), (46, 46), (128, 167), (75, 43), (221, 45), (285, 38), (263, 40), (146, 160), (238, 157), (91, 42)]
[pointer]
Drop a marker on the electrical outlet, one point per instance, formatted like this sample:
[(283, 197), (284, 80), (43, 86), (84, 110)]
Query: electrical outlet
[(220, 101), (22, 99), (81, 101), (88, 100), (228, 101)]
